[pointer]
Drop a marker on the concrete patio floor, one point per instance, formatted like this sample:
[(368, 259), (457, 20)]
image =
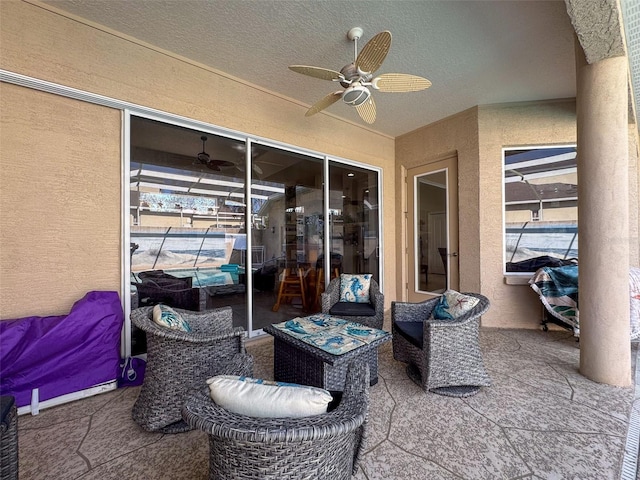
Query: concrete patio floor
[(539, 420)]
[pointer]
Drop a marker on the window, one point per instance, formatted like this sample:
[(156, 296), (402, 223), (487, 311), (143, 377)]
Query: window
[(540, 207)]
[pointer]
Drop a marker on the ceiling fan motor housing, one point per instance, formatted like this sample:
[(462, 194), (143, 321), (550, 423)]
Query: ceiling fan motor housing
[(356, 95)]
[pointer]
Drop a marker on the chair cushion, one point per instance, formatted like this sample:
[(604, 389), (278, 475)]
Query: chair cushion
[(350, 309), (452, 305), (355, 288), (266, 399), (167, 317), (412, 332)]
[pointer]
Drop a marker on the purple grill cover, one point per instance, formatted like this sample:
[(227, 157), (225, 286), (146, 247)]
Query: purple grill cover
[(62, 354)]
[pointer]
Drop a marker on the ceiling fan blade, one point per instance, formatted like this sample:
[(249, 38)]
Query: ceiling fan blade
[(255, 166), (374, 52), (324, 103), (400, 82), (367, 110), (220, 163), (317, 72)]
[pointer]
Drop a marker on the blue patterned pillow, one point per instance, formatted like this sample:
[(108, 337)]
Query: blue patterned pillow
[(167, 317), (452, 305), (355, 288)]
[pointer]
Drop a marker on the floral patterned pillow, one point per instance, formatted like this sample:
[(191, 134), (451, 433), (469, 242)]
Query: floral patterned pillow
[(355, 288), (452, 305)]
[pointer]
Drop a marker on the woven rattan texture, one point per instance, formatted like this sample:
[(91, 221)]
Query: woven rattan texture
[(301, 365), (296, 361), (179, 363), (320, 447), (332, 295), (9, 446), (451, 355)]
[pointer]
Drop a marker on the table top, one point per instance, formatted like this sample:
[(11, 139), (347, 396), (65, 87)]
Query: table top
[(326, 356)]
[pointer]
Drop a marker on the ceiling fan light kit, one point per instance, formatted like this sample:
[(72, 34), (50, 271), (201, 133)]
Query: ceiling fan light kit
[(356, 77), (356, 95)]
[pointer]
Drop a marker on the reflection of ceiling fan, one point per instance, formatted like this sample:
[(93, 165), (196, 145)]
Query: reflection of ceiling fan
[(204, 158), (357, 77), (242, 148)]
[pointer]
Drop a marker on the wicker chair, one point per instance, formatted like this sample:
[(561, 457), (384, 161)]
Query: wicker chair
[(178, 363), (8, 438), (443, 356), (373, 317), (321, 447)]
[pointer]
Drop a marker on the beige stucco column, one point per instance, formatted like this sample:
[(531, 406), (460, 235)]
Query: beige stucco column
[(603, 165)]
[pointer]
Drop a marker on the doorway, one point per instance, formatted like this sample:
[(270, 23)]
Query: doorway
[(432, 229)]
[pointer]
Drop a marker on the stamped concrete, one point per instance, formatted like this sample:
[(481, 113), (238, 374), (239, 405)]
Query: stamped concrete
[(540, 419)]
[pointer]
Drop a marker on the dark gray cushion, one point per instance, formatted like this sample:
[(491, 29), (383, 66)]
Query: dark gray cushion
[(412, 331), (353, 309)]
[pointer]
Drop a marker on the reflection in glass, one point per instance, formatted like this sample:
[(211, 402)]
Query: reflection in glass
[(432, 260), (354, 220), (541, 207), (188, 225), (287, 232), (188, 240)]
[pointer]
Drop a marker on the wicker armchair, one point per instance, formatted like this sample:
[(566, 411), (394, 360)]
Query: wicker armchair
[(443, 356), (179, 363), (321, 447), (374, 317)]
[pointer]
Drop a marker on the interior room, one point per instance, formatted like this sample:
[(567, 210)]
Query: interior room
[(251, 154)]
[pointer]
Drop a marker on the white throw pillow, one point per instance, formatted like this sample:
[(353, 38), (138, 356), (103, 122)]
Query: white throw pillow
[(263, 398)]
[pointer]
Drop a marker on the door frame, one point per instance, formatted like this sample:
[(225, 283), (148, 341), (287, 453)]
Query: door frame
[(449, 164)]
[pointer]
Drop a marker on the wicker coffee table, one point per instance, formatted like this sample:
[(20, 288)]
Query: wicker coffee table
[(296, 361)]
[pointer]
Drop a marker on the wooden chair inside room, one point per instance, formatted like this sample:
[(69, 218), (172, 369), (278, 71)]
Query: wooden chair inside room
[(335, 265), (291, 286)]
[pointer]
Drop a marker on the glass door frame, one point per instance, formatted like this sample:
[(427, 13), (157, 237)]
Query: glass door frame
[(448, 165), (171, 119)]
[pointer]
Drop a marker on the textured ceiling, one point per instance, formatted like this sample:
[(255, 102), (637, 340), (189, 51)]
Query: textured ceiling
[(474, 52)]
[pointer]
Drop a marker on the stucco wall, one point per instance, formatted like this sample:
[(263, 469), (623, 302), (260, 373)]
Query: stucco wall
[(59, 198), (634, 196), (522, 124), (50, 46), (480, 191), (458, 133)]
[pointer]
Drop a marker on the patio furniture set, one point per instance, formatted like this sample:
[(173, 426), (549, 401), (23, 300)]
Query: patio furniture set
[(321, 352)]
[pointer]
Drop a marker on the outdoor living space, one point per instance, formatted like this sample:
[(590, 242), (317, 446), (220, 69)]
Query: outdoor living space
[(184, 156), (539, 419)]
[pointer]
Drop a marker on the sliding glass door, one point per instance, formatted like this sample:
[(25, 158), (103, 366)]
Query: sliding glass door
[(287, 234), (354, 220), (190, 213), (187, 220)]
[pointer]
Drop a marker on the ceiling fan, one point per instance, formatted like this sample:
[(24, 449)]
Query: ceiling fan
[(242, 148), (204, 158), (357, 77)]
